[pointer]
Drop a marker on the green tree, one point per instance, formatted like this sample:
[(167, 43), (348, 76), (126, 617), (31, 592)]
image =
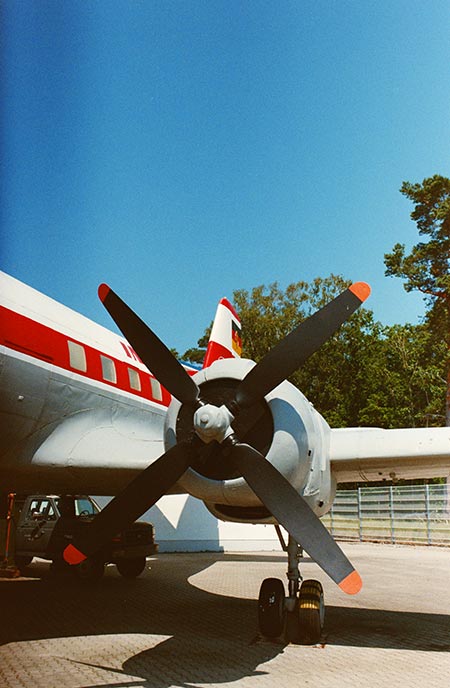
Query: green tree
[(335, 378), (366, 374), (268, 314), (427, 267), (194, 355), (405, 379)]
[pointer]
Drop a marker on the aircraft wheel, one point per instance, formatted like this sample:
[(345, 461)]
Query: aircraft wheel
[(311, 611), (271, 607), (59, 567), (90, 570), (292, 625), (131, 568)]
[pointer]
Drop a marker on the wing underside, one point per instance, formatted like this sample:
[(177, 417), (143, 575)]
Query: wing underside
[(372, 454)]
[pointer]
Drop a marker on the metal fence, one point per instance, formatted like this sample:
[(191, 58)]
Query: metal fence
[(412, 514)]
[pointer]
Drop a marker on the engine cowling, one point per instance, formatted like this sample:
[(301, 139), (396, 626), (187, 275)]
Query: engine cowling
[(285, 428)]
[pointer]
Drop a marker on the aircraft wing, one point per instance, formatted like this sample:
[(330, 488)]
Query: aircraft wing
[(371, 454)]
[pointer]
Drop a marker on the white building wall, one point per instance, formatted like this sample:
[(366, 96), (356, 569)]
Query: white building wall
[(183, 524)]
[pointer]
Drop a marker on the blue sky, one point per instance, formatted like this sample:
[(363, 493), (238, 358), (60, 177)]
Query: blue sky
[(181, 150)]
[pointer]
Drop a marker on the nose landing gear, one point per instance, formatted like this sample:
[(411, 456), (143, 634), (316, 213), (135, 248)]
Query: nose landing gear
[(298, 616)]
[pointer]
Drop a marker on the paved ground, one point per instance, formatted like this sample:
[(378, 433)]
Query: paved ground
[(190, 620)]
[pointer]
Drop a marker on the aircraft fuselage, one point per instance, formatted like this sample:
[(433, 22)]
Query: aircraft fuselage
[(80, 412)]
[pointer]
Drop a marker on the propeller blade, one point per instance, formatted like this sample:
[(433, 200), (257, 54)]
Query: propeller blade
[(132, 502), (289, 354), (293, 512), (150, 349)]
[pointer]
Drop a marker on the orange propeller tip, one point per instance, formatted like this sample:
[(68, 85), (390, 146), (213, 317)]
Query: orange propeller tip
[(103, 292), (352, 583), (361, 290), (73, 555)]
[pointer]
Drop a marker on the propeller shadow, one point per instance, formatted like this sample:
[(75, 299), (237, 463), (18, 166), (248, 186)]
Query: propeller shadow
[(203, 637), (386, 629), (178, 633)]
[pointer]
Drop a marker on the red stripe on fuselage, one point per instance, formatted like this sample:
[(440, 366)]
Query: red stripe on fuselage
[(44, 343)]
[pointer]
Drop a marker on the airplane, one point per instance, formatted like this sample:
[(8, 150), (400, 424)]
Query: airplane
[(85, 410)]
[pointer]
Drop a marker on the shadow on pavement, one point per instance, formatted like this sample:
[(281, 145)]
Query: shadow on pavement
[(212, 638), (387, 629)]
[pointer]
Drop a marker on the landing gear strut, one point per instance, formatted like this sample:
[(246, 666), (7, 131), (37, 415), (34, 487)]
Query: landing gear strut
[(300, 614)]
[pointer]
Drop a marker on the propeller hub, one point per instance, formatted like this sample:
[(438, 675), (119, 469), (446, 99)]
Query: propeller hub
[(254, 426), (213, 423)]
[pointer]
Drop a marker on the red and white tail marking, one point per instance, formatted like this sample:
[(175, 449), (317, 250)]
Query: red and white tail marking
[(225, 340)]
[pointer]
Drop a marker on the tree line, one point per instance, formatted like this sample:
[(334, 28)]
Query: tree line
[(369, 374)]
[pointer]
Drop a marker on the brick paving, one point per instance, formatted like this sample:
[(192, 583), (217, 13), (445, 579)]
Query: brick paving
[(190, 620)]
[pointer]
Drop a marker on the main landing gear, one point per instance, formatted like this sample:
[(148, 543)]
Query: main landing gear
[(298, 616)]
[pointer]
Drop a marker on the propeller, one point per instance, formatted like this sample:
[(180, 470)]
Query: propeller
[(146, 488), (293, 512), (214, 423), (150, 349), (292, 351)]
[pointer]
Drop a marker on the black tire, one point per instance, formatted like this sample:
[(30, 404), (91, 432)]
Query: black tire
[(90, 570), (60, 568), (271, 607), (311, 612), (292, 625), (131, 568), (22, 562)]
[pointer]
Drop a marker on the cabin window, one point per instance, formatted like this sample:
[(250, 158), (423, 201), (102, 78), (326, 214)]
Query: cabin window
[(156, 389), (77, 356), (135, 381), (108, 369)]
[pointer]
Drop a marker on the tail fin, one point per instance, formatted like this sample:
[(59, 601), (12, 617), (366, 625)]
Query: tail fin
[(225, 340)]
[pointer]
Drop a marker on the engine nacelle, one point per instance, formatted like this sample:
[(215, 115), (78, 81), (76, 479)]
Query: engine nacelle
[(285, 428)]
